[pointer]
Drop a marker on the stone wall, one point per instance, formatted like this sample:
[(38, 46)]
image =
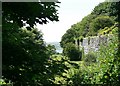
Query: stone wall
[(93, 43)]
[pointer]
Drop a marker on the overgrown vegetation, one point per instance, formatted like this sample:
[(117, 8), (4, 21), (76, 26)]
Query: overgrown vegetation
[(104, 71), (103, 15), (72, 51), (25, 55), (28, 61), (101, 67)]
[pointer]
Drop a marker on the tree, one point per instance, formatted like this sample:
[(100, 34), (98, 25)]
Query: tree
[(68, 37), (24, 52), (31, 13), (100, 23), (83, 26), (72, 52), (51, 49), (106, 9)]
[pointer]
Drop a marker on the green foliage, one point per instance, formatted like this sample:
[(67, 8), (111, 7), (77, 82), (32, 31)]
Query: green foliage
[(83, 26), (108, 62), (109, 30), (51, 49), (90, 58), (31, 61), (3, 83), (81, 38), (100, 23), (102, 16), (104, 71), (102, 9), (58, 65), (37, 12), (68, 37), (106, 8), (27, 61), (25, 54), (72, 52)]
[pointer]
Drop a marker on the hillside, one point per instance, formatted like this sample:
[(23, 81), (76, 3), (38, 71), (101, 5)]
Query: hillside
[(90, 48)]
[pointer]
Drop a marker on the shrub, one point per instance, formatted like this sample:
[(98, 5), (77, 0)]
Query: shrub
[(108, 62), (90, 58), (73, 52)]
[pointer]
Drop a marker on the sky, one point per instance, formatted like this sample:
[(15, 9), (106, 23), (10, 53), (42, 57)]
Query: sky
[(70, 12)]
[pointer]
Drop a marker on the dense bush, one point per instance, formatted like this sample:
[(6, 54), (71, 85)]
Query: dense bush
[(90, 58), (73, 52), (108, 62), (23, 53), (51, 49)]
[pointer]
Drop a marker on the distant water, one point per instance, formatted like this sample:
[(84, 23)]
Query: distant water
[(59, 50), (57, 46)]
